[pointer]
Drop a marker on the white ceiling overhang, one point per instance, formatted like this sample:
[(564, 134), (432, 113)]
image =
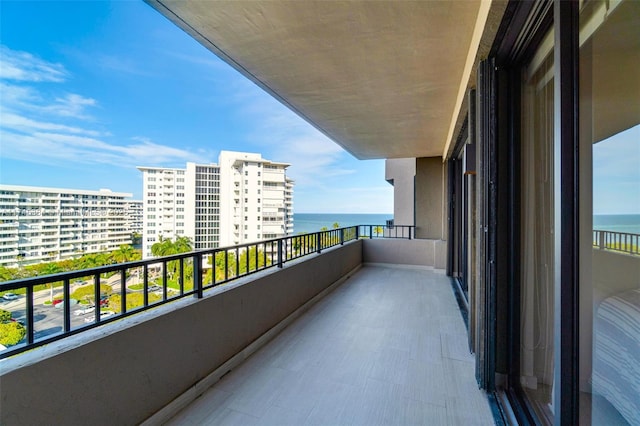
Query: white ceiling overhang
[(383, 79)]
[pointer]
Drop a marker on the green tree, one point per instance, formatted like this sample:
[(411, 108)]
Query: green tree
[(11, 333), (87, 292), (336, 225), (4, 315), (125, 253), (134, 300), (7, 274), (166, 247), (50, 269), (254, 256), (136, 238)]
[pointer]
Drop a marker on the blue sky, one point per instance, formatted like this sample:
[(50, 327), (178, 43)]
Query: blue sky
[(89, 90), (616, 173)]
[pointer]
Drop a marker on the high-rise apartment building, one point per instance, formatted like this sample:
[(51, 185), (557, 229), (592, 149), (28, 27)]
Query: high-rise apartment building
[(40, 224), (134, 215), (244, 198)]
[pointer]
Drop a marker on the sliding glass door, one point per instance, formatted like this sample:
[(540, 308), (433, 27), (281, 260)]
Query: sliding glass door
[(537, 230), (609, 105)]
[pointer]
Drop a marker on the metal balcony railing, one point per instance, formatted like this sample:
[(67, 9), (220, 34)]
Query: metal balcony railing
[(617, 241), (141, 285)]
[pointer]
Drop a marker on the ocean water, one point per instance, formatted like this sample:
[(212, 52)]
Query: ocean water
[(312, 222), (617, 222)]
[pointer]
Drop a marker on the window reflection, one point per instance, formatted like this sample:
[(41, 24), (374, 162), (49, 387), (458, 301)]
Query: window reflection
[(610, 213)]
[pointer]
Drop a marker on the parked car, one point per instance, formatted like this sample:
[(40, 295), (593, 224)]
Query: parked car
[(84, 311), (10, 296), (103, 315), (155, 288), (56, 301)]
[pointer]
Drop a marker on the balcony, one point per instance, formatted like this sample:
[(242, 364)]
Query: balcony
[(387, 346), (336, 337)]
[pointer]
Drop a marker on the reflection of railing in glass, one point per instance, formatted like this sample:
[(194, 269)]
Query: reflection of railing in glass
[(617, 241)]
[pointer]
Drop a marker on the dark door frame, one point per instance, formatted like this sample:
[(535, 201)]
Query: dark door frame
[(499, 86)]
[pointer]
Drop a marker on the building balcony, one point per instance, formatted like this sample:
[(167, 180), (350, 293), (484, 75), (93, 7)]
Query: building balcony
[(338, 337)]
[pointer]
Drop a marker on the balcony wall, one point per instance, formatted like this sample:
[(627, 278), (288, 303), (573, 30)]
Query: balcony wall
[(126, 371), (419, 252)]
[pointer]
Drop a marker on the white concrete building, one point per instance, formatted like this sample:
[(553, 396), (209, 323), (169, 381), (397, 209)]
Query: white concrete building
[(39, 224), (134, 215), (244, 198)]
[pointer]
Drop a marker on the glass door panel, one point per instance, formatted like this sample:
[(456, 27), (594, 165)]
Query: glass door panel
[(609, 102), (537, 232)]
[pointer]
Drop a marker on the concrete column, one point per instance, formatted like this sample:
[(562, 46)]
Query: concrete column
[(430, 195), (401, 173)]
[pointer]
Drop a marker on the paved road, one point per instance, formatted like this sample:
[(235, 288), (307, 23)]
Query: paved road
[(48, 319)]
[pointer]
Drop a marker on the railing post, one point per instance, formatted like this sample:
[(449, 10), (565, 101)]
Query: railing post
[(123, 291), (357, 232), (29, 315), (318, 242), (145, 284), (66, 305), (371, 232), (410, 229), (341, 236), (280, 253), (602, 245), (197, 276)]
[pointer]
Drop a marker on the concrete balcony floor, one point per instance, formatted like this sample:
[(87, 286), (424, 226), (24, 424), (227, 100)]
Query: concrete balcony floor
[(387, 347)]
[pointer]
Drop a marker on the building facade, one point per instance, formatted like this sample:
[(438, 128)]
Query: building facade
[(39, 224), (242, 199), (134, 215)]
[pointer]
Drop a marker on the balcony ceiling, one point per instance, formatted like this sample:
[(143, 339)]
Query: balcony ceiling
[(382, 79)]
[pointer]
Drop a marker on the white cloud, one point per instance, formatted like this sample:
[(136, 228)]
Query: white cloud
[(40, 128), (71, 105), (24, 124), (29, 101), (23, 66), (54, 148)]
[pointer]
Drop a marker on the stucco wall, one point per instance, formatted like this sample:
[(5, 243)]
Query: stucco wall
[(132, 368), (430, 193), (421, 252), (401, 172)]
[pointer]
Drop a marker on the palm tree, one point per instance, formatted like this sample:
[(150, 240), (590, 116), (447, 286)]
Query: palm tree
[(166, 247), (49, 269), (125, 253), (336, 225)]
